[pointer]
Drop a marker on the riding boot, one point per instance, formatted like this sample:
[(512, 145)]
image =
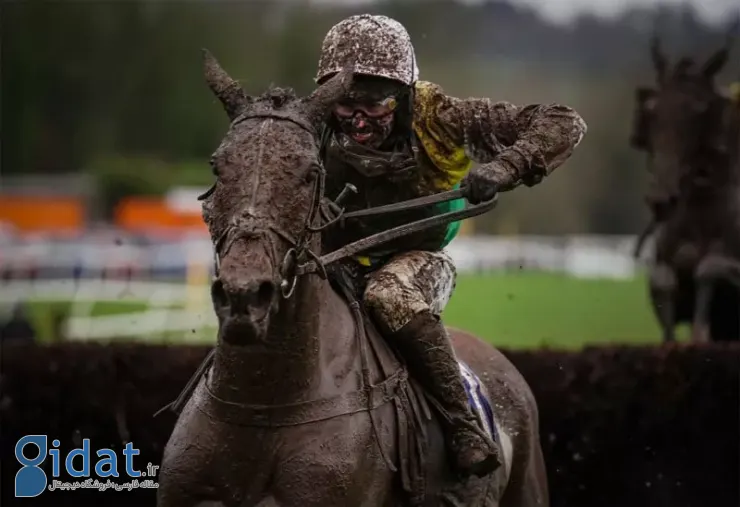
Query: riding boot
[(428, 351)]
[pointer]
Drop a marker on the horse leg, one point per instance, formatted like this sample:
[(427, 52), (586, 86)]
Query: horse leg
[(663, 288), (700, 325), (710, 270), (643, 236)]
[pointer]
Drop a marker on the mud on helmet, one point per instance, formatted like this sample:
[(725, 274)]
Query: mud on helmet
[(378, 45), (382, 53)]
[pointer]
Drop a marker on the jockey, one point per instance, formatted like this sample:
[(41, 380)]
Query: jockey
[(396, 138)]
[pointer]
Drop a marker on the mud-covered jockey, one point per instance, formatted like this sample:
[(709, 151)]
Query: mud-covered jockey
[(394, 138)]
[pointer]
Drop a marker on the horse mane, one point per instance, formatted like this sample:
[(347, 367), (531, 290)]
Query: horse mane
[(277, 97)]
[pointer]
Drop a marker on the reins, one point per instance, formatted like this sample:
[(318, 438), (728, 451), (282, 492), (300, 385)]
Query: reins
[(300, 259)]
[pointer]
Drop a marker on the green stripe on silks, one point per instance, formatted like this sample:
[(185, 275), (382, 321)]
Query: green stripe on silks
[(454, 227), (450, 234)]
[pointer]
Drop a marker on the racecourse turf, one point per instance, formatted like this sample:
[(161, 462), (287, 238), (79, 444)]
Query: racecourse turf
[(513, 310), (530, 310)]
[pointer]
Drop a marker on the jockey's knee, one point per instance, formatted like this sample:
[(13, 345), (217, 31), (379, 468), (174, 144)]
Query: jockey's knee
[(392, 303), (411, 284)]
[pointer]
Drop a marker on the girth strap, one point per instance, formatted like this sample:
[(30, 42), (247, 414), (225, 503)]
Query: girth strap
[(296, 414)]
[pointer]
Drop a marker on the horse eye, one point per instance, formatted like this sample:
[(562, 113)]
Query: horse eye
[(213, 161), (311, 172)]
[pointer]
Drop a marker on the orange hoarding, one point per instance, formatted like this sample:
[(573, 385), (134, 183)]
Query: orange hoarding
[(141, 213), (39, 213)]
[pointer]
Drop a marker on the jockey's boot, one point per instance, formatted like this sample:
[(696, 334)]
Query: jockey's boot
[(428, 352)]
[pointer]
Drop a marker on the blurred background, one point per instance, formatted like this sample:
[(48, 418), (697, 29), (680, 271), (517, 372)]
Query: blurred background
[(107, 127)]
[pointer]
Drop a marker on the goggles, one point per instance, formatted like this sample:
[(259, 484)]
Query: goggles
[(372, 109)]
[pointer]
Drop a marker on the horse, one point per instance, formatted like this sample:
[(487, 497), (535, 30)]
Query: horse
[(690, 133), (304, 403)]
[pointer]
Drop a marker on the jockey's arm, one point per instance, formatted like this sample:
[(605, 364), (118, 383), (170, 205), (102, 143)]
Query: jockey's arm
[(528, 142)]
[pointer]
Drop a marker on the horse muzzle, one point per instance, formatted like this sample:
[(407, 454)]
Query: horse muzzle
[(244, 309), (245, 293)]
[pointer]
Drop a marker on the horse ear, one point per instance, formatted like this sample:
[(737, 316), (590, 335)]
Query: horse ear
[(715, 63), (226, 89), (319, 103), (718, 60), (660, 62)]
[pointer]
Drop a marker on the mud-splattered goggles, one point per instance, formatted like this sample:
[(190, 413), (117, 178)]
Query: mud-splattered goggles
[(371, 109)]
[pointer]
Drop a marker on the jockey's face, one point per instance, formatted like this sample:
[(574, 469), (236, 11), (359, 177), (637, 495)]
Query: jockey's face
[(366, 123), (367, 113)]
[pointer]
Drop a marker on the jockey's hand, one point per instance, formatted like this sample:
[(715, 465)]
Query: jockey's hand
[(483, 182)]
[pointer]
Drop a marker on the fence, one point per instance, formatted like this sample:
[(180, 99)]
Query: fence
[(44, 259), (581, 256)]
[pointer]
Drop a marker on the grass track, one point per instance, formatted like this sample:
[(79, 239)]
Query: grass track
[(529, 310)]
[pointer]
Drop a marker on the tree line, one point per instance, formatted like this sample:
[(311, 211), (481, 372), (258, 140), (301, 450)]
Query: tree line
[(115, 88)]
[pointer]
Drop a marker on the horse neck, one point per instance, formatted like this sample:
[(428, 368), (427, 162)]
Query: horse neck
[(308, 353), (720, 161), (702, 178)]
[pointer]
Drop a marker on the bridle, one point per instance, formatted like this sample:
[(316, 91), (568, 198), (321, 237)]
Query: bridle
[(300, 259), (246, 224), (687, 181)]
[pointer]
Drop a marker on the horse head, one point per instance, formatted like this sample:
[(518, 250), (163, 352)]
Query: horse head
[(682, 123), (269, 184)]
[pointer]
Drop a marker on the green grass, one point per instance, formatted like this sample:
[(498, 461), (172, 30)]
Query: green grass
[(526, 309), (513, 310), (43, 314)]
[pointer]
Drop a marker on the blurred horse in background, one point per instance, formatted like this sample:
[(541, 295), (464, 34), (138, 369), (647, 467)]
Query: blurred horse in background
[(690, 132)]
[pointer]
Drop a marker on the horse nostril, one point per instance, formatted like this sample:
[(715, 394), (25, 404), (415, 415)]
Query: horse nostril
[(218, 294), (252, 297), (265, 293)]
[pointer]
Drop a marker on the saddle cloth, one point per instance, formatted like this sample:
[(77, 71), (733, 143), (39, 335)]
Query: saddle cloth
[(480, 405)]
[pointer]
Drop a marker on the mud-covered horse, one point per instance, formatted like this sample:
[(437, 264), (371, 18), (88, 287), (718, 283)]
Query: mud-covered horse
[(690, 132), (304, 404)]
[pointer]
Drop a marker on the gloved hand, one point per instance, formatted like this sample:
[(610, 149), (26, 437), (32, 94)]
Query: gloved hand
[(483, 182)]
